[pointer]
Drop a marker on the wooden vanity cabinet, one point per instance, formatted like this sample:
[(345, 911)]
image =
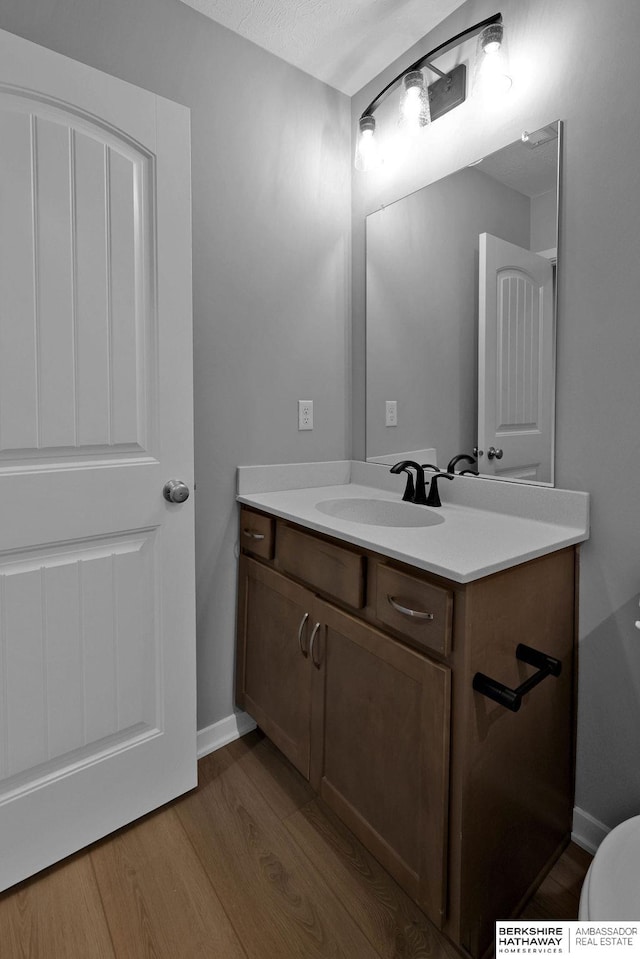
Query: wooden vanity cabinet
[(360, 670), (273, 675), (380, 750), (513, 773), (363, 717)]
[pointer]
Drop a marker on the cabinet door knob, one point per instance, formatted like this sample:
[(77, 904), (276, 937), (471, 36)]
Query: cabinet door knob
[(316, 662), (304, 619), (494, 453)]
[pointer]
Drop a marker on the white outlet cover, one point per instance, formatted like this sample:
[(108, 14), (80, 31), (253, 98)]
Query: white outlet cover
[(305, 414), (391, 413)]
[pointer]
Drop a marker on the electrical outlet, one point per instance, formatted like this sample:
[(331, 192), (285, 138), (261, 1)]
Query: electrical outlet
[(305, 414), (391, 413)]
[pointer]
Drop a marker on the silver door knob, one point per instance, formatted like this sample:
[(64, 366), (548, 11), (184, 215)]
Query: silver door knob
[(493, 453), (175, 491)]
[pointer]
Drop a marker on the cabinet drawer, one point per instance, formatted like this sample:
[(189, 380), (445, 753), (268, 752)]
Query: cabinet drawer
[(414, 607), (331, 569), (256, 533)]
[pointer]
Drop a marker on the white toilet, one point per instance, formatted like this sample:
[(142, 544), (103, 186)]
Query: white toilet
[(611, 887)]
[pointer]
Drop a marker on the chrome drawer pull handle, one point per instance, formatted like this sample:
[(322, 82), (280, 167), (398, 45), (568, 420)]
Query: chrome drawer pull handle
[(414, 613), (304, 619), (252, 535), (316, 662)]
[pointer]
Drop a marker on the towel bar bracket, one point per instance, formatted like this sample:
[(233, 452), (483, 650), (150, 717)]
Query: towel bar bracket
[(512, 698)]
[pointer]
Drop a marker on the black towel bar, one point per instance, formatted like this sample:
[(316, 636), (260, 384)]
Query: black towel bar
[(512, 698)]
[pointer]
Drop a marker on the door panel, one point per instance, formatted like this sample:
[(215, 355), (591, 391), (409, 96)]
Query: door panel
[(275, 678), (516, 360), (78, 630), (381, 712), (84, 301), (97, 631)]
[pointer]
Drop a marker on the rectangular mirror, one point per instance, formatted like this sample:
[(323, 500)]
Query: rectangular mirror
[(461, 316)]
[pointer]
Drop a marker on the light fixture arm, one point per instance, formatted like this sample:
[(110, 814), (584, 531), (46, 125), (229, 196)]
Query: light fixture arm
[(424, 60), (435, 70)]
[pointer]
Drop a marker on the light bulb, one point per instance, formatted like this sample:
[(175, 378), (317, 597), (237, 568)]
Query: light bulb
[(491, 38), (492, 77), (367, 153), (414, 103)]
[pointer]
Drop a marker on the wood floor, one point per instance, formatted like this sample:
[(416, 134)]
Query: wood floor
[(250, 865)]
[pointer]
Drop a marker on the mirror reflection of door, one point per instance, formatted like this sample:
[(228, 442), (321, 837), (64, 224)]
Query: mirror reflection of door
[(422, 269), (515, 361)]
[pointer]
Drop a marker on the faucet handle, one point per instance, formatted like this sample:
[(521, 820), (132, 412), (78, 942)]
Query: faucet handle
[(410, 490), (433, 498)]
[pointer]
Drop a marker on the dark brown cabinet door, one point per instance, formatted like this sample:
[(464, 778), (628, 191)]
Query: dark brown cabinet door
[(381, 725), (273, 668)]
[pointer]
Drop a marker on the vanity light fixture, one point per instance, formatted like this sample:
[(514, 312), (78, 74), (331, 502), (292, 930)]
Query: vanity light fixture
[(415, 112), (367, 153), (491, 71), (420, 103)]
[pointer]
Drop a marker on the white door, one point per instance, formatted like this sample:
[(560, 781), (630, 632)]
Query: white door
[(97, 673), (516, 357)]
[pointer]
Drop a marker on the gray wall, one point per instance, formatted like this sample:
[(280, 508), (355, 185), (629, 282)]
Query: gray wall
[(564, 54), (271, 170), (543, 222)]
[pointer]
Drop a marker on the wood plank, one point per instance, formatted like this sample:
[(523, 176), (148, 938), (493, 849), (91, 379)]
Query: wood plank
[(277, 780), (126, 318), (572, 866), (158, 899), (391, 921), (155, 889), (18, 378), (54, 264), (91, 249), (277, 901), (55, 915), (558, 896), (24, 667), (336, 570), (552, 900)]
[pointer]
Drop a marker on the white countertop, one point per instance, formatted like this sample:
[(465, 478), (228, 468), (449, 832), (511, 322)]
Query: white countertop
[(488, 526)]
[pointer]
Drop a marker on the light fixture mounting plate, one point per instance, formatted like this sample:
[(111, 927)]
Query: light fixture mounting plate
[(448, 92)]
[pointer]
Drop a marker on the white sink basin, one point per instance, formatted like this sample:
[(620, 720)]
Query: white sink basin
[(379, 512)]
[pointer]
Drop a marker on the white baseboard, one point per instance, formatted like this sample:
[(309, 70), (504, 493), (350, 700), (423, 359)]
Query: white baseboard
[(587, 831), (224, 731)]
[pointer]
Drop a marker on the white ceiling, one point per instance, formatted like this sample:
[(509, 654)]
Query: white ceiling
[(530, 168), (345, 43)]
